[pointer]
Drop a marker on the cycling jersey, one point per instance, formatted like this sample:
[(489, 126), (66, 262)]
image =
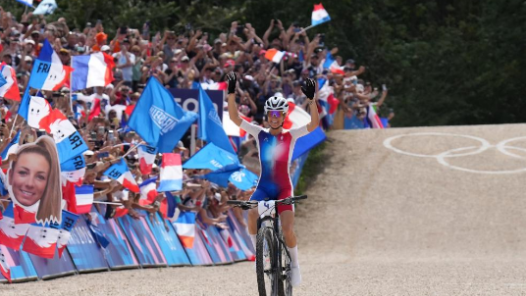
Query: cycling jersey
[(275, 154)]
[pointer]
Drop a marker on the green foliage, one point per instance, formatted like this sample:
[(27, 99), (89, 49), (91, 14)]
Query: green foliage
[(445, 62)]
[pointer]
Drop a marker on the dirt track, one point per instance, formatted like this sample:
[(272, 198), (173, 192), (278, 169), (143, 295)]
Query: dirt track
[(378, 222)]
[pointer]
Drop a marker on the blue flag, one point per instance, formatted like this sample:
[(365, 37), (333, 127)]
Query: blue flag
[(329, 60), (308, 142), (172, 204), (73, 164), (211, 157), (14, 144), (23, 110), (243, 179), (158, 119), (210, 126), (48, 72), (46, 7), (221, 176), (2, 81)]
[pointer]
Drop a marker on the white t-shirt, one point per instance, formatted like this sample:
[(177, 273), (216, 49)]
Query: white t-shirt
[(127, 72)]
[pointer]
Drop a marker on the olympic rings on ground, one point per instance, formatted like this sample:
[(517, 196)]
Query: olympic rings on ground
[(502, 147)]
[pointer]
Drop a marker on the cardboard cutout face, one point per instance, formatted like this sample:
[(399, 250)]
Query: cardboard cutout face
[(33, 183)]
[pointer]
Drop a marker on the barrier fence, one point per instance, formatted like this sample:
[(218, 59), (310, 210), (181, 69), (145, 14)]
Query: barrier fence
[(97, 244)]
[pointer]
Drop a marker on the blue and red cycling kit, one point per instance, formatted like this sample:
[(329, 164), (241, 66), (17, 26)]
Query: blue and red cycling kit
[(275, 154)]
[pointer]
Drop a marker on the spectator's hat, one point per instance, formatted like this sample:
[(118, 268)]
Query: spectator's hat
[(29, 41), (105, 48), (229, 63), (180, 145), (88, 153), (217, 196), (35, 32), (185, 59), (248, 77), (218, 41), (101, 37), (28, 59)]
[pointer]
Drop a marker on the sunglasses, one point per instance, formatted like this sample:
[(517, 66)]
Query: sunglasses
[(274, 113)]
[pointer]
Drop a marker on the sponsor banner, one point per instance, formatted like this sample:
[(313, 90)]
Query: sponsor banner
[(189, 99), (142, 240), (168, 241), (84, 249)]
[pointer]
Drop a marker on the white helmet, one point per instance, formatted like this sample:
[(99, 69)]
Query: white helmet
[(276, 104)]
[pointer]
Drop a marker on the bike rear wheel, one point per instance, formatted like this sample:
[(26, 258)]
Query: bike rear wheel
[(266, 262)]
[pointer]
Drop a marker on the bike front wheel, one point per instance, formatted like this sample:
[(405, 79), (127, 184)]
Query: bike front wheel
[(267, 262), (284, 284)]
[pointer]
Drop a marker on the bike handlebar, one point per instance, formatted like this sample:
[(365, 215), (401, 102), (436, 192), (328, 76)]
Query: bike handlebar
[(249, 204)]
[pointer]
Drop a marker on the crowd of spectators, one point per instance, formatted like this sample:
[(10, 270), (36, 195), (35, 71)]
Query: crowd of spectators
[(177, 60)]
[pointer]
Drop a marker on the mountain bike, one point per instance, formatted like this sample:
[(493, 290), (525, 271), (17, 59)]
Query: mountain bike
[(272, 257)]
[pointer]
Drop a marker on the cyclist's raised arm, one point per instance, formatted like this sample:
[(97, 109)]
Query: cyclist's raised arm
[(309, 89), (232, 106)]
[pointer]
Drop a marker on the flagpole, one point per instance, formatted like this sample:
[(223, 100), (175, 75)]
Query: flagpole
[(13, 126), (107, 203), (305, 29), (192, 141), (131, 149)]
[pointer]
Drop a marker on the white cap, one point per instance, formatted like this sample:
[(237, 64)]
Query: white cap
[(110, 86), (104, 48), (217, 196), (27, 41), (88, 153), (28, 59)]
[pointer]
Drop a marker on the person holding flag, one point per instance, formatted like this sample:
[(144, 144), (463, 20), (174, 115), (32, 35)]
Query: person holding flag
[(275, 147)]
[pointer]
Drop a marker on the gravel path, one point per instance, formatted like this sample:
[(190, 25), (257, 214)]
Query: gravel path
[(378, 222)]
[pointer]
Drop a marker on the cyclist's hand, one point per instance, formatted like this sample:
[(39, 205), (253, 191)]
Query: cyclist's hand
[(309, 88), (231, 83)]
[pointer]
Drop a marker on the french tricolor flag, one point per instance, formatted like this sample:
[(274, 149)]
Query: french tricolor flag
[(319, 15), (11, 147), (64, 233), (83, 200), (146, 158), (122, 174), (185, 228), (69, 141), (11, 234), (171, 173), (41, 241), (373, 118), (48, 72), (332, 65), (296, 117), (38, 109), (274, 55), (149, 189), (231, 129), (91, 70), (214, 85), (9, 90)]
